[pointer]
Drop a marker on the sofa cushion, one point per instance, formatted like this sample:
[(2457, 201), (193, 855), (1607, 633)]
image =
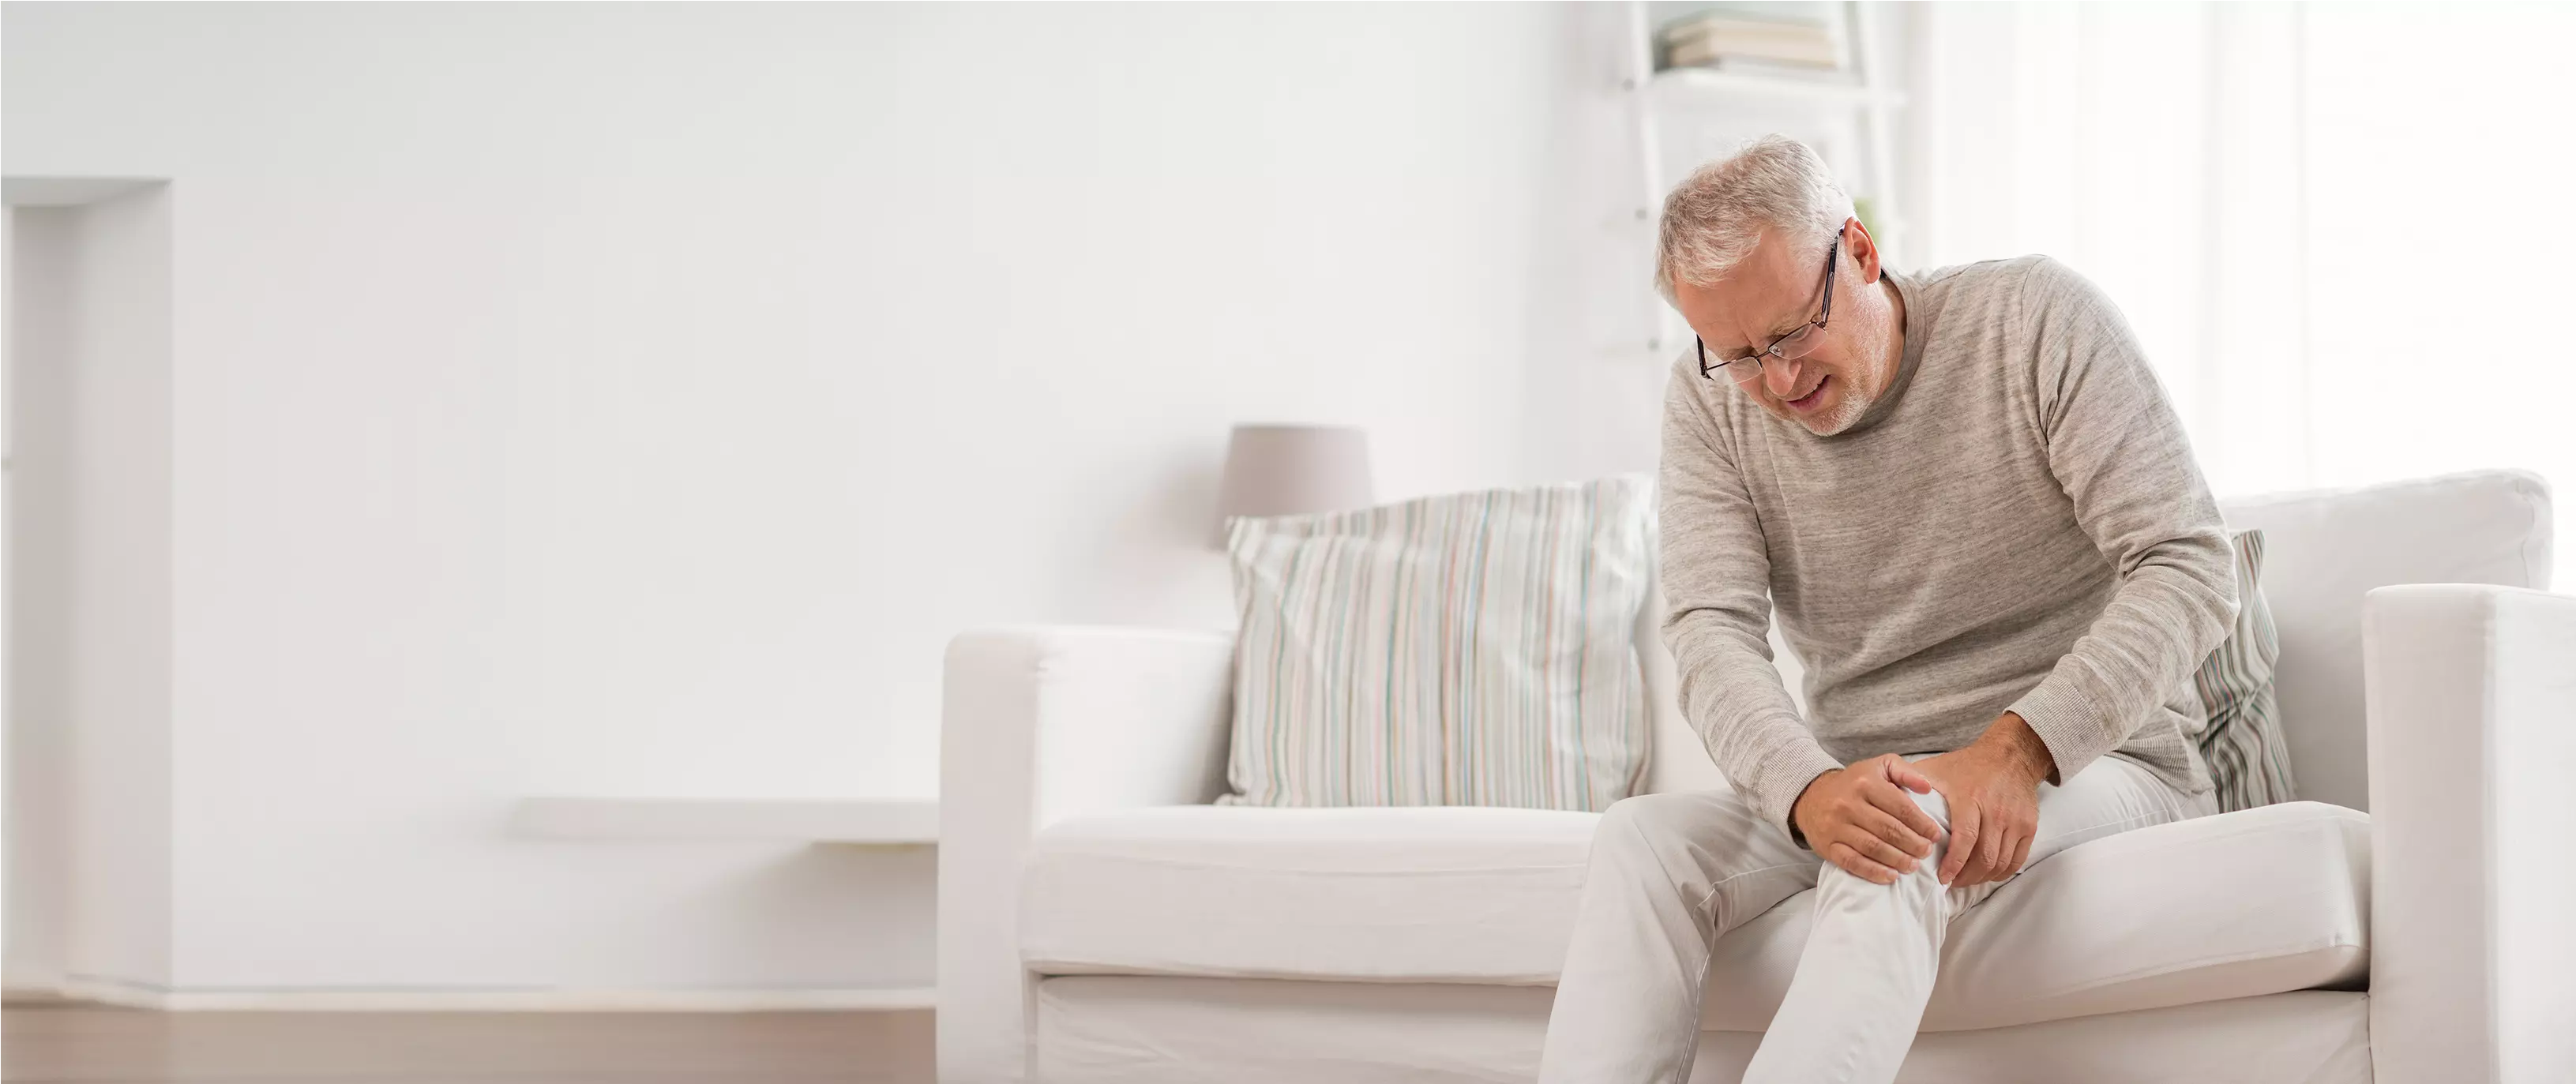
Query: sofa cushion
[(2253, 902), (1471, 648), (2241, 739), (2236, 905)]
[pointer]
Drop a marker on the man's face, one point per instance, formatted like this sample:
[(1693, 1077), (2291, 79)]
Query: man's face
[(1777, 289)]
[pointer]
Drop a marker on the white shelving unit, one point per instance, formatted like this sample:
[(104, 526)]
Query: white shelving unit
[(1866, 98)]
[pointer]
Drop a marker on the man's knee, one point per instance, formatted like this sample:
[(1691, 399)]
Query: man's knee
[(1932, 804)]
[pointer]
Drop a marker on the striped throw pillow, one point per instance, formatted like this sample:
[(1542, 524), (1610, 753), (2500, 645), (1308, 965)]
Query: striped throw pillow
[(1463, 649), (2247, 754)]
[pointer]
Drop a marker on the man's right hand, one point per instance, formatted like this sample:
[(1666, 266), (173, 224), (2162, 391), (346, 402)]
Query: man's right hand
[(1860, 818)]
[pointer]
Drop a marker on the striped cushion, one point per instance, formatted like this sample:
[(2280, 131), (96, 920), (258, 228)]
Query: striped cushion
[(1464, 649), (2247, 754)]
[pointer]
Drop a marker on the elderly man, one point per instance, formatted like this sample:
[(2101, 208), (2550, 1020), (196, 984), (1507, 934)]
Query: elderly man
[(1980, 525)]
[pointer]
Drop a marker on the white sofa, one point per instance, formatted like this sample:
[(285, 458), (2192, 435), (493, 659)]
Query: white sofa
[(1100, 921)]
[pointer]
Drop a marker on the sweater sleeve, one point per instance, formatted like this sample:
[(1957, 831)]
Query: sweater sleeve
[(1716, 575), (2119, 451)]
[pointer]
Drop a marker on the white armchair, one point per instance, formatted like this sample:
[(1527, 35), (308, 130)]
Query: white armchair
[(1067, 747)]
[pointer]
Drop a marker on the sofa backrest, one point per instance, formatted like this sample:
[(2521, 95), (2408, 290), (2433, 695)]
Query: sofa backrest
[(2323, 550)]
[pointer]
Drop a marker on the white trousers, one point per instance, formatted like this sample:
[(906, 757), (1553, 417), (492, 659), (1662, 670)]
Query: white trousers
[(1670, 873)]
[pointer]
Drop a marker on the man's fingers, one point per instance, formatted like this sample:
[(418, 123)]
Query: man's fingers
[(1963, 841), (2020, 855), (1992, 848), (1971, 871), (1904, 775), (2007, 840), (1882, 852), (1897, 805), (1852, 862), (1991, 852), (1885, 826)]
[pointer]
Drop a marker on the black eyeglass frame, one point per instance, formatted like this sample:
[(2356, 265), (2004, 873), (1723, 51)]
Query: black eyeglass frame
[(1773, 350)]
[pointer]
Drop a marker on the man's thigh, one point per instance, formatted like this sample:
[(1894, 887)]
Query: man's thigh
[(2111, 796), (1722, 854), (2108, 797)]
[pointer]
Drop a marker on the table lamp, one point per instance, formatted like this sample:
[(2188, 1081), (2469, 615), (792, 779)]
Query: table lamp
[(1280, 470)]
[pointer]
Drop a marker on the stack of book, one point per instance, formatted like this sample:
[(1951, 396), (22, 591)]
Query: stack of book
[(1739, 41)]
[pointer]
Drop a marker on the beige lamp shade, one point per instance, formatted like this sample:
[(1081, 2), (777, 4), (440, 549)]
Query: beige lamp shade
[(1281, 470)]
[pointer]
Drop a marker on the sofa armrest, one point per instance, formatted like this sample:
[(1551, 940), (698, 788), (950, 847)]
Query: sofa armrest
[(1038, 723), (2471, 694)]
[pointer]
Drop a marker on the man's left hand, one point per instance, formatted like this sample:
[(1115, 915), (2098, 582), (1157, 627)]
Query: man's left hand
[(1992, 787)]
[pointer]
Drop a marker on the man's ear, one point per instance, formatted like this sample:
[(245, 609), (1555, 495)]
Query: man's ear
[(1864, 250)]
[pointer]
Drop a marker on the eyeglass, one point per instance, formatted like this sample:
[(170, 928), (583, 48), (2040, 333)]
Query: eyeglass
[(1790, 347)]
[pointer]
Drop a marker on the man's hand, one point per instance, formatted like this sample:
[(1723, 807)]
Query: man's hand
[(1993, 790), (1860, 819)]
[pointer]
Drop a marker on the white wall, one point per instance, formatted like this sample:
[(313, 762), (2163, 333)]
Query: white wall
[(635, 399)]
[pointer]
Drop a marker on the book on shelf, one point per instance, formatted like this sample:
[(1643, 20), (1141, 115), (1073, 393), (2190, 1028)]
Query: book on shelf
[(1697, 39)]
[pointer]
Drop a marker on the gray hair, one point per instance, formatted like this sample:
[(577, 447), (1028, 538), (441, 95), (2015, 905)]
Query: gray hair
[(1713, 218)]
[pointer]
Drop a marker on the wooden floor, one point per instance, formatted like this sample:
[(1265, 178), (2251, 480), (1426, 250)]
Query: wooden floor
[(85, 1044)]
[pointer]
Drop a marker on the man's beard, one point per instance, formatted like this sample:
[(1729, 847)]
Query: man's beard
[(1854, 403), (1856, 399)]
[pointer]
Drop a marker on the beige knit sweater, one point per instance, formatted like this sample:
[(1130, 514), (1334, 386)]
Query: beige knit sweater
[(2017, 524)]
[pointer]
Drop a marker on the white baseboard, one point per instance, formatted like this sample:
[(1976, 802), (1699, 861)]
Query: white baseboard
[(140, 996)]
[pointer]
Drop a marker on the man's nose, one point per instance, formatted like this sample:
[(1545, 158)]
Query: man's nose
[(1779, 376)]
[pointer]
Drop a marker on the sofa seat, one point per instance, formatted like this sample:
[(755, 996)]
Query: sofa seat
[(2256, 902)]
